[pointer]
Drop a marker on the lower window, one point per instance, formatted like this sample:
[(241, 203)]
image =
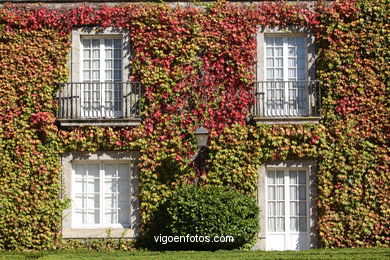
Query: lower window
[(100, 194)]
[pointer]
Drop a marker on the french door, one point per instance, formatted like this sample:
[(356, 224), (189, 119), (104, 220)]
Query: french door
[(101, 92), (287, 222), (286, 89)]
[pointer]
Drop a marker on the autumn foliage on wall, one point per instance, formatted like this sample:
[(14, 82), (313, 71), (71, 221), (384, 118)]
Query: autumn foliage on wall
[(196, 65)]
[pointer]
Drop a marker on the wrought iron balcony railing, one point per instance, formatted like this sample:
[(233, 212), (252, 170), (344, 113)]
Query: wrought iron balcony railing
[(286, 99), (99, 100)]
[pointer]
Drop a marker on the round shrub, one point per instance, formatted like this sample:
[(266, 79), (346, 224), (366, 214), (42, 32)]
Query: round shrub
[(210, 211)]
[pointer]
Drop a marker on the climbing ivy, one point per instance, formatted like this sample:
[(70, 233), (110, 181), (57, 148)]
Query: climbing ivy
[(196, 65)]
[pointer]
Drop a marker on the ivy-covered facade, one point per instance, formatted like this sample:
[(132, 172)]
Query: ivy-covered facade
[(99, 105)]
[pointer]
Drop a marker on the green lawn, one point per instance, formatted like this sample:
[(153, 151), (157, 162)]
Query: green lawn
[(223, 255)]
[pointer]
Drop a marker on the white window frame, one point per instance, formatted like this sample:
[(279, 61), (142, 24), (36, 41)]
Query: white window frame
[(101, 194), (68, 161)]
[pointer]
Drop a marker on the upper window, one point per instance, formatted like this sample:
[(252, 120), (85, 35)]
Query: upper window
[(99, 87), (285, 86)]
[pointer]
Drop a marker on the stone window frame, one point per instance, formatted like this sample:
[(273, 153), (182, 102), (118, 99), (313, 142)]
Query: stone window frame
[(311, 166), (133, 231)]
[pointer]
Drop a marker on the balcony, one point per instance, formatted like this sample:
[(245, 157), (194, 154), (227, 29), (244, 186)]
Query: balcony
[(287, 102), (99, 104)]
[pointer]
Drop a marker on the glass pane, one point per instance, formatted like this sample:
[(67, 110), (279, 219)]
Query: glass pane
[(80, 171), (124, 217), (80, 201), (87, 43), (270, 73), (108, 43), (80, 186), (291, 51), (271, 209), (293, 177), (269, 52), (79, 217), (95, 43), (124, 201), (93, 217), (291, 41), (86, 75), (111, 201), (111, 216), (108, 64), (302, 224), (300, 41), (280, 193), (93, 201), (302, 208), (271, 225), (300, 52), (87, 64), (109, 170), (271, 177), (95, 64), (280, 208), (271, 193), (117, 43), (279, 52), (302, 192), (117, 53), (124, 187), (293, 193), (108, 54), (117, 64), (293, 208), (87, 54), (279, 73), (108, 75), (292, 73), (301, 74), (278, 41), (279, 63), (270, 62), (93, 170), (111, 185), (294, 224), (117, 74), (93, 185), (302, 177), (280, 224), (301, 62), (123, 171), (292, 62), (96, 54), (280, 177), (96, 74), (269, 41)]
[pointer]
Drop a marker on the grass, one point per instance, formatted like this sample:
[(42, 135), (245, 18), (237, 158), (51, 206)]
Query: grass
[(355, 253)]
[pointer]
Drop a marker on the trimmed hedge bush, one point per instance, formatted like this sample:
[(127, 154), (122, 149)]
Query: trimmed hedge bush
[(209, 211)]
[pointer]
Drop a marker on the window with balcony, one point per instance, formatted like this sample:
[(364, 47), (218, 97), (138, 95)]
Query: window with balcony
[(286, 88), (99, 92)]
